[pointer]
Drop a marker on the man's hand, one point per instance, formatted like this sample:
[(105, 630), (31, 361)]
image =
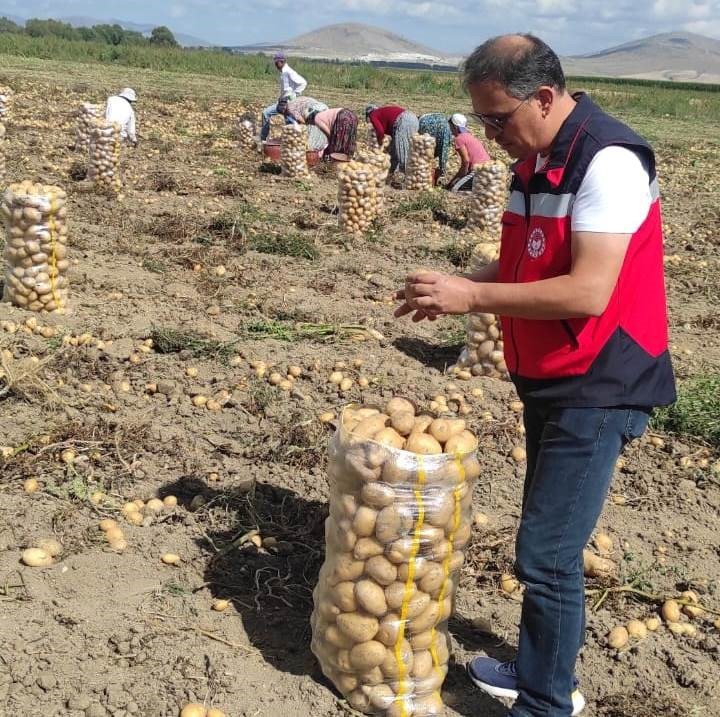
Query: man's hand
[(431, 294)]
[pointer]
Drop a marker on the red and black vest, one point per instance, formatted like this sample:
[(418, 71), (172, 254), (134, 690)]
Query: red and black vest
[(620, 358)]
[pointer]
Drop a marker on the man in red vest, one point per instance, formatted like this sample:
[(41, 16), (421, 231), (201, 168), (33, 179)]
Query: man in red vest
[(579, 287)]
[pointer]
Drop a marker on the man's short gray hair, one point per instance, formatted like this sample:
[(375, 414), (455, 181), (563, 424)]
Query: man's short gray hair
[(521, 67)]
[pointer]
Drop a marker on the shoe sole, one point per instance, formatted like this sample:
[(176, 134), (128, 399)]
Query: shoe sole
[(578, 700)]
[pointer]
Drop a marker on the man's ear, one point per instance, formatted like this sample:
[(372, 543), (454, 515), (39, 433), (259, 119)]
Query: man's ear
[(546, 97)]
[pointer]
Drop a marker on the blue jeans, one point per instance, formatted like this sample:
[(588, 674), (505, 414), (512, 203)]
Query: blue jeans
[(571, 455), (267, 113)]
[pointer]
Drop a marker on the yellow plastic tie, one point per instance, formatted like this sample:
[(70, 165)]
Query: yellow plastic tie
[(457, 514), (53, 255), (409, 583)]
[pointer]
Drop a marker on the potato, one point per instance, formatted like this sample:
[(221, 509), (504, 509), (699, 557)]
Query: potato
[(367, 548), (395, 594), (343, 595), (359, 627), (193, 710), (389, 437), (346, 567), (345, 682), (462, 536), (371, 598), (36, 558), (392, 523), (371, 677), (422, 664), (327, 611), (389, 629), (337, 639), (596, 567), (403, 422), (417, 605), (367, 655), (461, 443), (422, 444), (618, 637), (390, 666), (670, 611), (368, 427), (377, 495), (422, 641), (399, 405), (422, 423), (442, 429), (357, 469), (364, 522), (393, 473), (426, 619), (342, 661), (440, 509), (420, 568), (358, 700), (381, 570), (381, 696), (637, 629), (652, 624), (433, 579), (604, 543), (400, 550)]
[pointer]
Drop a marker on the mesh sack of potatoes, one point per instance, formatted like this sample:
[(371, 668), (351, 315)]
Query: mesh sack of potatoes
[(104, 165), (6, 95), (421, 164), (87, 116), (358, 196), (293, 151), (489, 197), (400, 503), (246, 134), (36, 265), (379, 160)]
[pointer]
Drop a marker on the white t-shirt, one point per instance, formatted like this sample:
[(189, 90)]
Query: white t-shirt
[(614, 196), (119, 110)]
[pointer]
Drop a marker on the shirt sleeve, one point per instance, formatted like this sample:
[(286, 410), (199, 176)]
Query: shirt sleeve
[(299, 82), (614, 196)]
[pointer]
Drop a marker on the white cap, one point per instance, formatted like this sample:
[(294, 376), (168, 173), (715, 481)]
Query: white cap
[(128, 94), (459, 120)]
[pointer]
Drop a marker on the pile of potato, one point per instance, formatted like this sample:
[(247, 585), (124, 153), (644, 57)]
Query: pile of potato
[(400, 517), (104, 167), (421, 163), (483, 353), (5, 101), (293, 151), (87, 117), (358, 193), (379, 160), (489, 198), (36, 265), (246, 134)]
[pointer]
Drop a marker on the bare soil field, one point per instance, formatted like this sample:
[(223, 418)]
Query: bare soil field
[(208, 266)]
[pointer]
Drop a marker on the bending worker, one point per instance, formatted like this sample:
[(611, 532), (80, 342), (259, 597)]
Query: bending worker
[(119, 110), (470, 150), (580, 290), (292, 84)]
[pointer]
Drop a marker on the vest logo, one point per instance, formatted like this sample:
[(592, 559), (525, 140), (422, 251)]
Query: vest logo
[(536, 243)]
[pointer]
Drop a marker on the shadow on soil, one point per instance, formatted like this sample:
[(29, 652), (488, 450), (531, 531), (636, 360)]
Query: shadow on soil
[(429, 354), (271, 586)]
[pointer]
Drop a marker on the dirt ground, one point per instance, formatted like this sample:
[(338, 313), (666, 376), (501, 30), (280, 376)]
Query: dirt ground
[(106, 633)]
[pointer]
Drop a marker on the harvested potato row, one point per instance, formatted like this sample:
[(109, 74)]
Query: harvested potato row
[(2, 155), (104, 167), (293, 151), (400, 518), (358, 194), (421, 164), (246, 134), (489, 197), (87, 117), (6, 95), (36, 264)]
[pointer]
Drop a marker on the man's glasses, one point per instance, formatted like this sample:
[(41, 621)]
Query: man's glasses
[(497, 122)]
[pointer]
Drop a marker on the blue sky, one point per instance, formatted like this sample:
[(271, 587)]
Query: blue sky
[(455, 26)]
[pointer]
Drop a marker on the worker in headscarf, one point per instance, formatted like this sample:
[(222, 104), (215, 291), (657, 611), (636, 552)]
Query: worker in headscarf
[(340, 127), (470, 150), (397, 123), (292, 84), (119, 110)]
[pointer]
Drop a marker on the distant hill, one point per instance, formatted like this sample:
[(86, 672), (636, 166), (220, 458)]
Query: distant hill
[(678, 56), (356, 42), (145, 29)]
